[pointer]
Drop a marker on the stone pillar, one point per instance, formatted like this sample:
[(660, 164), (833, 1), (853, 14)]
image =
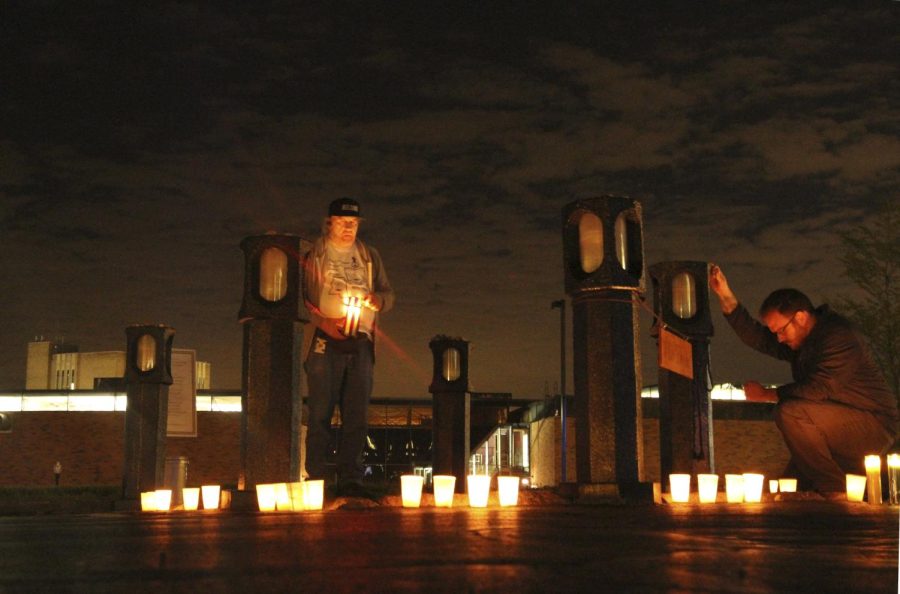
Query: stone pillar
[(681, 303), (604, 276), (272, 314), (451, 408), (148, 375)]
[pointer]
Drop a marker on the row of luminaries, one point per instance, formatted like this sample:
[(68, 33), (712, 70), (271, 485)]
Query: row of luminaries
[(748, 487)]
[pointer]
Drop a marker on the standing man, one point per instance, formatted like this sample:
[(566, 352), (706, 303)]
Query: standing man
[(838, 408), (345, 287), (57, 472)]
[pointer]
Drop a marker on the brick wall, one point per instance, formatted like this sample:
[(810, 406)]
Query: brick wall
[(90, 446)]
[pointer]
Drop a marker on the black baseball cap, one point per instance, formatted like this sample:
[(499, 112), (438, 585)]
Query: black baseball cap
[(343, 207)]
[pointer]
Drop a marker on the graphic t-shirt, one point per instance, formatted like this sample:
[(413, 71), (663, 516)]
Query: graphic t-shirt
[(345, 274)]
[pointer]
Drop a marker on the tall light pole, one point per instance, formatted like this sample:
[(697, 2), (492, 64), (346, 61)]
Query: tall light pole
[(561, 304)]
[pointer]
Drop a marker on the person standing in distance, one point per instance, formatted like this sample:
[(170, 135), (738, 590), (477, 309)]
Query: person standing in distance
[(838, 409), (345, 288)]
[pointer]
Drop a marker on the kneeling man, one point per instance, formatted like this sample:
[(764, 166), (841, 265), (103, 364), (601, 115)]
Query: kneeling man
[(838, 408)]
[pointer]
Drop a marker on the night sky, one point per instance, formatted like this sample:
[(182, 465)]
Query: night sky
[(139, 146)]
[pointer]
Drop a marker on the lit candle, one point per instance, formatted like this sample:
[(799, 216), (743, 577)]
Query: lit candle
[(893, 464), (707, 487), (773, 485), (411, 489), (265, 497), (283, 497), (787, 485), (680, 487), (191, 498), (313, 494), (210, 495), (444, 486), (163, 499), (478, 487), (753, 485), (734, 488), (148, 501), (873, 476), (856, 487), (351, 320), (508, 488)]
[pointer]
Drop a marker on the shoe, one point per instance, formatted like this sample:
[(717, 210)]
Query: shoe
[(353, 489)]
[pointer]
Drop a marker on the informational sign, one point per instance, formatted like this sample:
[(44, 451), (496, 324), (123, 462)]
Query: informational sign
[(183, 395), (675, 354)]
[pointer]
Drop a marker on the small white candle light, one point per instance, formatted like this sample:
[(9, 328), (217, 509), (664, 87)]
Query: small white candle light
[(856, 487), (753, 486), (265, 497), (708, 487), (163, 499), (411, 489), (873, 476), (351, 321), (680, 487), (478, 487), (444, 486), (773, 485), (508, 488), (734, 488), (313, 494), (210, 495), (787, 485), (148, 501), (893, 464), (191, 498), (283, 497)]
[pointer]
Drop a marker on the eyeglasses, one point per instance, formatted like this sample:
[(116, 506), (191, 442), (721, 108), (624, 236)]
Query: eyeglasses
[(781, 330)]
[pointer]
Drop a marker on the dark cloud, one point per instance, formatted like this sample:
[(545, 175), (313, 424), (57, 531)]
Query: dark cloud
[(141, 144)]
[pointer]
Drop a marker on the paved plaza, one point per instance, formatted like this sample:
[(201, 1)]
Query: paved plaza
[(767, 547)]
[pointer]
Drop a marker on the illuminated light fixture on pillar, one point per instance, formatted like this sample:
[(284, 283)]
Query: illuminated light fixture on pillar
[(146, 353), (450, 364), (273, 264), (604, 276)]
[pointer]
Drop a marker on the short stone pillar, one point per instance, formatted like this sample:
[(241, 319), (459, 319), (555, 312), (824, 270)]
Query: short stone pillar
[(451, 408), (604, 276), (148, 375), (272, 314), (681, 303)]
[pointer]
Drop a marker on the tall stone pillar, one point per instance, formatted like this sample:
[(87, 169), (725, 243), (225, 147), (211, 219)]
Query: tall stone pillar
[(681, 303), (272, 314), (604, 276), (148, 375), (451, 408)]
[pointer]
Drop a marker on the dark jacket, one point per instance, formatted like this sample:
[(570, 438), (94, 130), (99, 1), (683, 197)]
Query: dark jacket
[(833, 363)]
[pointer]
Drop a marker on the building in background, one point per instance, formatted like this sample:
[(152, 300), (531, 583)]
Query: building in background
[(55, 365)]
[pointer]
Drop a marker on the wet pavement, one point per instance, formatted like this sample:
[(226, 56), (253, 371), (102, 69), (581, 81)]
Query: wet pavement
[(768, 547)]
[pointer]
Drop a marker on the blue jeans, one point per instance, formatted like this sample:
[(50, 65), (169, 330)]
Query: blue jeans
[(338, 373)]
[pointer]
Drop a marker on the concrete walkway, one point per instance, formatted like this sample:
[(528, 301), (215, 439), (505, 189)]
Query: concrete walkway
[(768, 547)]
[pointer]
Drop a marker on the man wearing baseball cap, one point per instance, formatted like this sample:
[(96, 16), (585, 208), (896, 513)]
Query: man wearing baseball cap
[(345, 288)]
